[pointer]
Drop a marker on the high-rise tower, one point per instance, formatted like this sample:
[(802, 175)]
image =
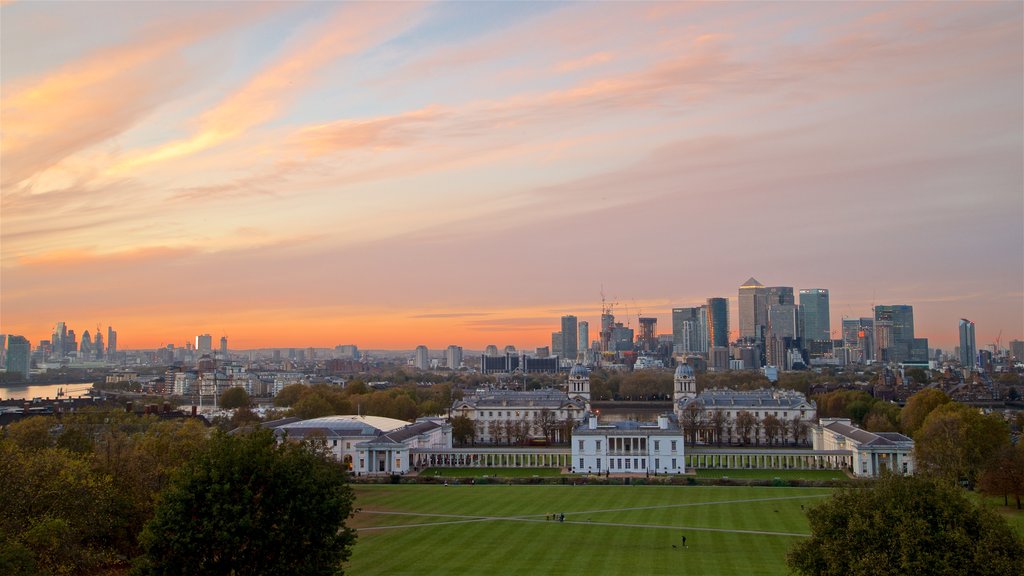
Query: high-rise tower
[(968, 348), (814, 302), (569, 344), (718, 322), (753, 309)]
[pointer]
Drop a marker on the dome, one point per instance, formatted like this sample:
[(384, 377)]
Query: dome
[(684, 371), (579, 371)]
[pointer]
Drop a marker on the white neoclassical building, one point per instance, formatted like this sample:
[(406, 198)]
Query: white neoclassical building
[(368, 444), (716, 411), (628, 447), (544, 412), (870, 452)]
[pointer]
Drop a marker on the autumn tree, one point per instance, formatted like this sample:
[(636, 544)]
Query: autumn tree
[(745, 424), (249, 505), (906, 525), (234, 397), (956, 442), (771, 426), (918, 407), (719, 422), (463, 430), (692, 420), (1004, 475)]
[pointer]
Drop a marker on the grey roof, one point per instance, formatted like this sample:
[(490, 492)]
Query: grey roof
[(627, 426), (579, 370), (398, 437), (865, 438), (547, 398), (684, 371), (760, 399)]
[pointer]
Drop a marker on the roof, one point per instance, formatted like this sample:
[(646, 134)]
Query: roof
[(401, 435), (628, 426), (760, 399), (684, 371), (346, 425), (865, 438), (752, 283), (547, 398), (579, 370)]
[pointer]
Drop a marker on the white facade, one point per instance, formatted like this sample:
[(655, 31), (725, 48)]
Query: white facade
[(628, 447), (871, 452), (368, 444), (787, 406), (492, 411)]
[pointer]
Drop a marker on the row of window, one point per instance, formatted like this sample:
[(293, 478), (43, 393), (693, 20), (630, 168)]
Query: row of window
[(628, 464), (628, 445)]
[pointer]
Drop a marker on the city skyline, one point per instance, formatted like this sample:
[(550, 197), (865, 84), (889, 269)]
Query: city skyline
[(401, 174)]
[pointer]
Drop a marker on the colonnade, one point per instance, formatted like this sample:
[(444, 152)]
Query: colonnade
[(770, 459)]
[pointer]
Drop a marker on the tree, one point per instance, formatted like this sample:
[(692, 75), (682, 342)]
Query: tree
[(906, 525), (312, 405), (772, 427), (1005, 475), (744, 424), (692, 420), (545, 422), (32, 433), (234, 397), (248, 505), (290, 394), (463, 430), (918, 407), (956, 443), (719, 422)]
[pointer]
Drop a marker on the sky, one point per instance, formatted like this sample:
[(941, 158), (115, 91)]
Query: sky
[(391, 174)]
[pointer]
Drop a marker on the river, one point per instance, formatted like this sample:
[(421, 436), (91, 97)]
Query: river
[(71, 390)]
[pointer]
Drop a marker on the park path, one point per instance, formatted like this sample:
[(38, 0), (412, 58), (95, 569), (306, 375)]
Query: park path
[(466, 519)]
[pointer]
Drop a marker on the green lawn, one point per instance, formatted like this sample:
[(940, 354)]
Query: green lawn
[(500, 529), (770, 474), (491, 472)]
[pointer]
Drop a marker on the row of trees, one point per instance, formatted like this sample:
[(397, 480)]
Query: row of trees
[(518, 431), (99, 492), (406, 402), (718, 428)]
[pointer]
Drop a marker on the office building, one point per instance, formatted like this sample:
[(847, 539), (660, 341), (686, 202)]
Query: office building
[(753, 309), (584, 339), (19, 355), (454, 357), (556, 343), (898, 320), (718, 323), (570, 346), (204, 344), (968, 348), (421, 358), (1017, 350), (85, 348), (224, 346), (111, 341), (689, 331), (647, 340), (491, 350), (814, 303)]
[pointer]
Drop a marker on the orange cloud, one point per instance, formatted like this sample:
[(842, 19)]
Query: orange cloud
[(352, 29), (50, 117)]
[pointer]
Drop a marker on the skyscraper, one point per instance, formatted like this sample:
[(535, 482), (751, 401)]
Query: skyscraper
[(718, 322), (85, 348), (224, 346), (454, 357), (968, 348), (111, 341), (204, 344), (814, 302), (60, 333), (753, 309), (19, 355), (569, 344), (584, 335), (556, 344), (647, 340), (688, 331), (901, 331), (422, 358)]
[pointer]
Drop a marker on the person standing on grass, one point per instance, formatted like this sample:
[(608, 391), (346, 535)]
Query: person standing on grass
[(684, 540)]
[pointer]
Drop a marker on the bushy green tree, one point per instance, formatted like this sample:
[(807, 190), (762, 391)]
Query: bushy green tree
[(234, 397), (918, 407), (956, 442), (248, 505), (906, 525)]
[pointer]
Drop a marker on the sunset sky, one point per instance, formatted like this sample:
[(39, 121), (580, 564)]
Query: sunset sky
[(391, 174)]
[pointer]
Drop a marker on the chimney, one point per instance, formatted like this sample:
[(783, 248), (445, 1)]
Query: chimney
[(592, 420), (663, 422)]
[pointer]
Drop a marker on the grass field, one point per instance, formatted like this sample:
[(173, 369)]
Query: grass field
[(491, 472), (499, 529), (770, 474)]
